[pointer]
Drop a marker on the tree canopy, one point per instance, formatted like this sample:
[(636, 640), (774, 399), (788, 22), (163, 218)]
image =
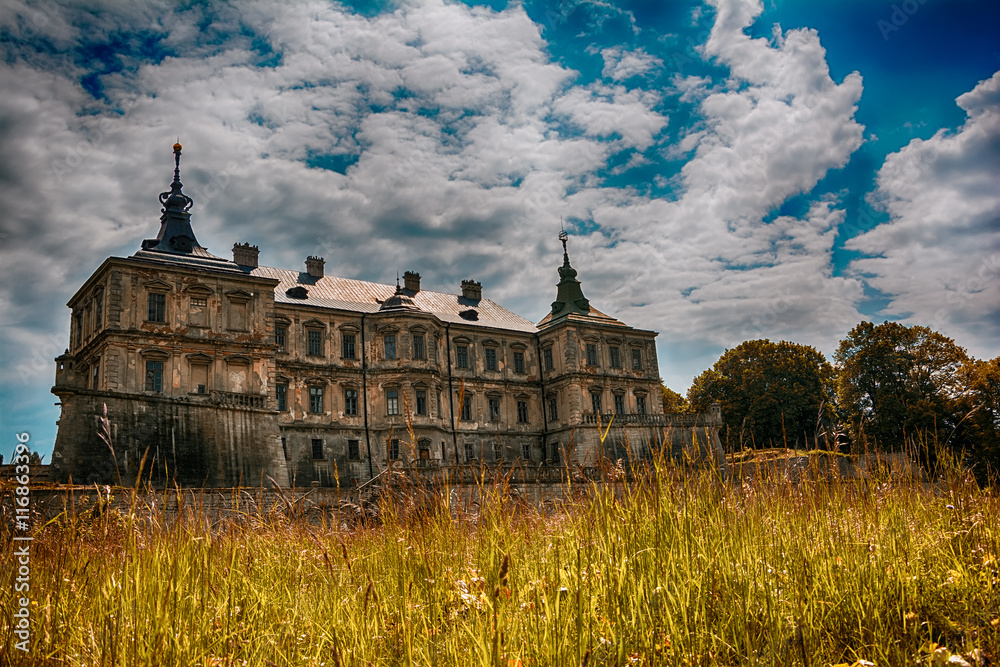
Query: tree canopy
[(772, 394), (673, 403), (897, 383)]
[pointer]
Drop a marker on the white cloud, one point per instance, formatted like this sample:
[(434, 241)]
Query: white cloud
[(620, 64), (938, 258), (719, 272)]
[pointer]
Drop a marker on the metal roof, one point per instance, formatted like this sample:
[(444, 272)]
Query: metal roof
[(366, 297)]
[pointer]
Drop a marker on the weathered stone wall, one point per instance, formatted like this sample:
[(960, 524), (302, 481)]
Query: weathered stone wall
[(187, 443)]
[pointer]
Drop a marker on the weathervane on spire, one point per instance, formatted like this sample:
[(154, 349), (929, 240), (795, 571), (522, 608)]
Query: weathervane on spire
[(562, 237)]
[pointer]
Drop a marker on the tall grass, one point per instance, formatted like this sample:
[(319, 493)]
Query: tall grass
[(670, 570)]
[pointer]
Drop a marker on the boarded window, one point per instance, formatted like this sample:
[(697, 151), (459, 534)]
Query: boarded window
[(198, 317)]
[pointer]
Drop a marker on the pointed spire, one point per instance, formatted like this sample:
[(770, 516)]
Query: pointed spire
[(569, 298), (175, 234), (174, 199)]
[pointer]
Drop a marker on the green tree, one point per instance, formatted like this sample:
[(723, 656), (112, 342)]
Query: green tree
[(772, 394), (899, 383), (673, 403), (978, 430)]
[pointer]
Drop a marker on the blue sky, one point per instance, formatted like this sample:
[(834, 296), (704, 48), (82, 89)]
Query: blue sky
[(727, 170)]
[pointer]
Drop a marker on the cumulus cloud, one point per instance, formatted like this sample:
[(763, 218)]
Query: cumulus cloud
[(620, 64), (722, 271), (938, 258)]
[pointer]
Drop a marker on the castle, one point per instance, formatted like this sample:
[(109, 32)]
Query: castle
[(220, 372)]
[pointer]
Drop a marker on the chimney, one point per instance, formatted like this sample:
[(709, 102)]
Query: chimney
[(245, 254), (472, 290), (314, 266), (411, 281)]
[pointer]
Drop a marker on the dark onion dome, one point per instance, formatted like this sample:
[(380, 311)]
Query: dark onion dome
[(399, 301)]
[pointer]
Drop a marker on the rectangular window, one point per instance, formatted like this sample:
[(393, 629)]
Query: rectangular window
[(238, 315), (95, 375), (497, 451), (390, 346), (392, 401), (421, 402), (98, 310), (553, 409), (469, 453), (494, 409), (154, 376), (394, 449), (317, 446), (591, 354), (79, 328), (526, 452), (619, 404), (462, 356), (284, 446), (518, 361), (157, 307), (616, 356), (419, 351), (640, 404), (353, 450), (281, 396), (315, 400), (315, 340), (347, 346), (522, 412), (199, 312), (467, 408), (595, 403), (636, 359), (547, 358), (491, 359), (350, 401), (280, 335)]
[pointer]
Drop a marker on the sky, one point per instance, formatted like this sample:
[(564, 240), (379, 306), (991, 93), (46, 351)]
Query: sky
[(727, 170)]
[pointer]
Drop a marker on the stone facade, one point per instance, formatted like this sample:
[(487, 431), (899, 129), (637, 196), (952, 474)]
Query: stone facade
[(221, 373)]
